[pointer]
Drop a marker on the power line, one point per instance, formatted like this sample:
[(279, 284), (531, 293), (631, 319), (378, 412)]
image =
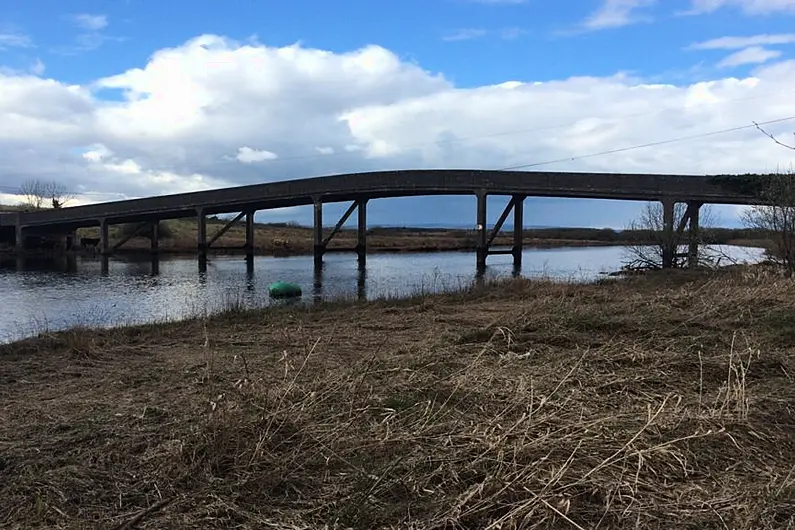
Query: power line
[(650, 144)]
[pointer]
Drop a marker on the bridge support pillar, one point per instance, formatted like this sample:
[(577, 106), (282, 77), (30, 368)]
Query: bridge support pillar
[(486, 237), (321, 243), (104, 238), (319, 247), (482, 248), (71, 240), (201, 238), (518, 229), (693, 234), (19, 237), (154, 237), (361, 232), (250, 235), (669, 243)]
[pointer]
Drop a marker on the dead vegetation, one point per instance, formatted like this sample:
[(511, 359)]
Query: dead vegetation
[(656, 402)]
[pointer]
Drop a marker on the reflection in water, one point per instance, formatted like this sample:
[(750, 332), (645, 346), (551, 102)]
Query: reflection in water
[(61, 292)]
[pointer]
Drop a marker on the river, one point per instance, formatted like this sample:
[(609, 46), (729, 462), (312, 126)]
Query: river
[(40, 296)]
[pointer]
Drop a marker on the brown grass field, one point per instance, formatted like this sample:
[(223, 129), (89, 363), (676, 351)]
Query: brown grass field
[(663, 401)]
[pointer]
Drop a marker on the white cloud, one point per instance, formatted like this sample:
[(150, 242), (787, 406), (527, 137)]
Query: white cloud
[(14, 40), (617, 13), (90, 22), (465, 34), (750, 55), (248, 155), (185, 123), (37, 68), (735, 42), (509, 33), (749, 7)]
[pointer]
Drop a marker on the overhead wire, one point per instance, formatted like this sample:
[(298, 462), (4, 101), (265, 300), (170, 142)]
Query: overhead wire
[(649, 144)]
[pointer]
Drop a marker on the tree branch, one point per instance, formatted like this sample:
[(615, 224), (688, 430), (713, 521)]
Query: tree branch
[(782, 144)]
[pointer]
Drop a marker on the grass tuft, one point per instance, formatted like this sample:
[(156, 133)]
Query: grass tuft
[(662, 402)]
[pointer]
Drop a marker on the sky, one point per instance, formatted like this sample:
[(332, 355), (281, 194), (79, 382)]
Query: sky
[(136, 98)]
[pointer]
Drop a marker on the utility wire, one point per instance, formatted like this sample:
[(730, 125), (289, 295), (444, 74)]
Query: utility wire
[(650, 144)]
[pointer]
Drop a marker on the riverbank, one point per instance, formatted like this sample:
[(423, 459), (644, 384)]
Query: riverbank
[(658, 401)]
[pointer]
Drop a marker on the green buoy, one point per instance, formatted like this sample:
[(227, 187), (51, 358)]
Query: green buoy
[(284, 290)]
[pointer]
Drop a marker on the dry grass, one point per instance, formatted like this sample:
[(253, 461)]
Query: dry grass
[(642, 404)]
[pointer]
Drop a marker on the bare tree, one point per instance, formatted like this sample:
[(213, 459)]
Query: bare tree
[(38, 194), (649, 244), (777, 217)]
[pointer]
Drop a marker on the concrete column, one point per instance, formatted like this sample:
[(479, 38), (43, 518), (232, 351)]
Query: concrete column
[(694, 236), (19, 236), (361, 282), (518, 229), (201, 238), (249, 236), (201, 232), (319, 249), (104, 238), (361, 233), (668, 249), (154, 235), (481, 249), (71, 240)]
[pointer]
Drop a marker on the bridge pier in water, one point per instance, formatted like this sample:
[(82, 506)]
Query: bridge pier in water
[(321, 243), (486, 238), (204, 245), (672, 235)]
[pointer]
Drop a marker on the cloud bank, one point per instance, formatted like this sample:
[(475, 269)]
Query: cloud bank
[(214, 112)]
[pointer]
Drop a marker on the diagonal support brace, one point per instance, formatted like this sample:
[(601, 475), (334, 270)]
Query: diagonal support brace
[(135, 233), (501, 221), (225, 229)]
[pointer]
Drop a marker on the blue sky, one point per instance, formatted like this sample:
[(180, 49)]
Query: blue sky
[(638, 56), (473, 42)]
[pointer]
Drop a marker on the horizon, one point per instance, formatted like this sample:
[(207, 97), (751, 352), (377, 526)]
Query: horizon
[(126, 100)]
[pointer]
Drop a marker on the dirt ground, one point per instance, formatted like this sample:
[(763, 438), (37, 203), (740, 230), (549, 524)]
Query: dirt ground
[(661, 402)]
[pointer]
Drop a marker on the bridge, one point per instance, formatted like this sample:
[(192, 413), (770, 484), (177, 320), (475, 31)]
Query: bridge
[(359, 188)]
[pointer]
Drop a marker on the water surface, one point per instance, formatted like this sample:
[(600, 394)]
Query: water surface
[(38, 296)]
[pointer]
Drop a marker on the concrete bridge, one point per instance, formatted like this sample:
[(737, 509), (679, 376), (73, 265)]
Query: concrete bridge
[(359, 188)]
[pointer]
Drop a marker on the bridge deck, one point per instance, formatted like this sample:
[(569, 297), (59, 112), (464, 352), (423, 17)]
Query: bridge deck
[(385, 184)]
